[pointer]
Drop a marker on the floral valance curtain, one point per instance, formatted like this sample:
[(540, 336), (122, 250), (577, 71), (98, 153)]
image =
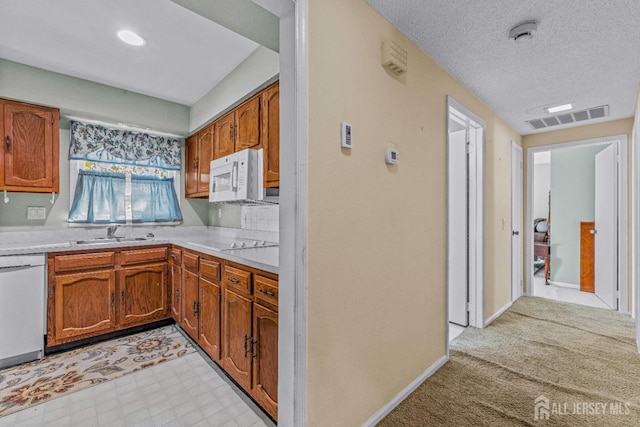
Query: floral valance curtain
[(98, 143)]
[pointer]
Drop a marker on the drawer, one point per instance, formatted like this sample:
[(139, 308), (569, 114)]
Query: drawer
[(237, 279), (190, 261), (265, 290), (176, 255), (137, 256), (210, 270), (84, 261)]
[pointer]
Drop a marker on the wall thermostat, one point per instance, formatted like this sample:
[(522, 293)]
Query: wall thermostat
[(345, 133), (391, 156)]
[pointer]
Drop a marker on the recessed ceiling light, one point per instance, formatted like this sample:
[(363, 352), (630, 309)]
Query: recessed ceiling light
[(558, 108), (131, 38)]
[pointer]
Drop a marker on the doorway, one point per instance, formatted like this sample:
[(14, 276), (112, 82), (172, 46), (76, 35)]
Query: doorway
[(577, 222), (465, 225)]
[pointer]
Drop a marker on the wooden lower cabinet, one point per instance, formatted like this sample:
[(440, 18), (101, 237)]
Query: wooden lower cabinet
[(84, 304), (265, 362), (175, 276), (142, 294), (237, 337), (209, 318), (190, 294)]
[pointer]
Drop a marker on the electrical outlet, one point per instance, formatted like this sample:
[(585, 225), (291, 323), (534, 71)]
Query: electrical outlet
[(36, 212)]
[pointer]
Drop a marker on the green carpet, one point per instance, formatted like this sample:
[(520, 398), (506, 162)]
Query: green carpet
[(580, 363)]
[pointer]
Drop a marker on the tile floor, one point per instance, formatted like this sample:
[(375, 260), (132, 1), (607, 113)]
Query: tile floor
[(566, 294), (188, 391)]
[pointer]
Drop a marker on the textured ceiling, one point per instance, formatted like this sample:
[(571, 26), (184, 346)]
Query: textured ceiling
[(185, 56), (585, 51)]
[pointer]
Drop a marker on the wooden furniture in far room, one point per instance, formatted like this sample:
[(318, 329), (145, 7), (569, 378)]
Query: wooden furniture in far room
[(587, 256), (30, 148), (541, 247)]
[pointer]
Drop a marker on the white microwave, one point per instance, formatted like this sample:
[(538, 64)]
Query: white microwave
[(237, 177)]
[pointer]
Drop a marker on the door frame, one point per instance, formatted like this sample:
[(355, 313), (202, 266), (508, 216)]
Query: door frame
[(476, 220), (517, 177), (623, 217)]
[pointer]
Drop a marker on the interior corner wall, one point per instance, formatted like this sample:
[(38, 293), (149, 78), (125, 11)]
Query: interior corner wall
[(376, 306), (572, 180), (93, 101)]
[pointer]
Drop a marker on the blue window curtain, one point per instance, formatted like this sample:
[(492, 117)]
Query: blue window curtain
[(99, 198), (154, 200)]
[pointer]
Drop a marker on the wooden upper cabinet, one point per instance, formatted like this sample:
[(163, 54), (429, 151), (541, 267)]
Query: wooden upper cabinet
[(198, 155), (271, 135), (191, 166), (225, 135), (247, 131), (30, 148)]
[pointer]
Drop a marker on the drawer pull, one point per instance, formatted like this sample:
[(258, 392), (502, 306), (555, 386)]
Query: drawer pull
[(233, 280), (266, 292), (174, 256)]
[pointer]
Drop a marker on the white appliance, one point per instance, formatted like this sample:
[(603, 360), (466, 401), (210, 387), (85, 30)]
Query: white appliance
[(22, 318), (238, 178)]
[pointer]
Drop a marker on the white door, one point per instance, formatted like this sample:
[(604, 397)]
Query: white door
[(516, 222), (606, 219), (458, 228)]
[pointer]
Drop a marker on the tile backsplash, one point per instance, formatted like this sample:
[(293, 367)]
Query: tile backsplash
[(261, 217)]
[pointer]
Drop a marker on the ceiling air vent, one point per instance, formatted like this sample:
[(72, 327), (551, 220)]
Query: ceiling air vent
[(568, 118)]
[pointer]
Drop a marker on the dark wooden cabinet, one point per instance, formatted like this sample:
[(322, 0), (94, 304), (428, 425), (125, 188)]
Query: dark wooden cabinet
[(271, 135), (225, 135), (190, 294), (248, 121), (265, 358), (30, 147), (84, 304), (175, 277), (93, 293), (142, 294), (199, 149), (209, 318), (236, 337)]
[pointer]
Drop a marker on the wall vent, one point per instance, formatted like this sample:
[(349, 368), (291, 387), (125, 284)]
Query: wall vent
[(568, 118)]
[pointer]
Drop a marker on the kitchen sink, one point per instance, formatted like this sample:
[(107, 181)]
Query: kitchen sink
[(105, 240)]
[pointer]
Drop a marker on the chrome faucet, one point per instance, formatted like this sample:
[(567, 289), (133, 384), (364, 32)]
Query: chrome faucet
[(111, 231)]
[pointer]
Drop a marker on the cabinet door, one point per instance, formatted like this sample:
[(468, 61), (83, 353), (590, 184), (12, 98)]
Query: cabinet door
[(176, 290), (30, 145), (205, 155), (209, 318), (189, 321), (265, 362), (84, 304), (142, 294), (236, 338), (248, 125), (271, 135), (191, 166), (224, 136)]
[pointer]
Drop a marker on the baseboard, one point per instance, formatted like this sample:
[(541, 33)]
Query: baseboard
[(390, 406), (565, 285), (496, 315)]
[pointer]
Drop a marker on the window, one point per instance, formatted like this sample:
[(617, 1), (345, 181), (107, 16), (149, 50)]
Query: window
[(123, 177)]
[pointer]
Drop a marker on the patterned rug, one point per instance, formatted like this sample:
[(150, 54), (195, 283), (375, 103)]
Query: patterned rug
[(60, 374)]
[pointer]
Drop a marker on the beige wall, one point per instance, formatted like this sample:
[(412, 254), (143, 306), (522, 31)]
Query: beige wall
[(377, 233), (598, 130)]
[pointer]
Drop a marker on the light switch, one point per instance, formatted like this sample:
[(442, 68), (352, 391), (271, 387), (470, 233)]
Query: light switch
[(36, 212)]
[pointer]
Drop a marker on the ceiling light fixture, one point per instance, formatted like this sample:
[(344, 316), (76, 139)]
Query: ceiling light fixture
[(131, 38), (523, 31), (559, 108)]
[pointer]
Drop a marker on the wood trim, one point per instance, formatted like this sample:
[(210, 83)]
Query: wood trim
[(84, 261), (587, 256)]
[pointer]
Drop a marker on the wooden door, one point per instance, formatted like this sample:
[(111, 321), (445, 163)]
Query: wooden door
[(248, 125), (191, 166), (205, 155), (236, 338), (190, 295), (224, 129), (30, 145), (587, 257), (271, 135), (265, 361), (209, 318), (84, 304), (176, 289), (142, 293)]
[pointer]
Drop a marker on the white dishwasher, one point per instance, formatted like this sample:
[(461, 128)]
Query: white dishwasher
[(22, 291)]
